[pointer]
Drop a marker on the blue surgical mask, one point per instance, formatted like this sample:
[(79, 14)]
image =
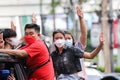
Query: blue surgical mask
[(69, 42)]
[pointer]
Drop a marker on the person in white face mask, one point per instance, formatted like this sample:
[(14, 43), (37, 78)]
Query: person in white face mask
[(10, 38), (59, 43), (64, 58), (14, 41)]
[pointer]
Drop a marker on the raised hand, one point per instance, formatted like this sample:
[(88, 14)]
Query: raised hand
[(101, 38), (13, 27), (34, 19), (79, 12)]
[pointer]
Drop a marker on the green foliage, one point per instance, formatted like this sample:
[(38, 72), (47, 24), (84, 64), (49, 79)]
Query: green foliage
[(54, 4), (89, 48), (115, 58), (101, 68), (81, 1), (117, 68)]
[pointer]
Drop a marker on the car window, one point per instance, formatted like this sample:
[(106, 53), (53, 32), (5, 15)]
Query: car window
[(8, 65), (14, 68)]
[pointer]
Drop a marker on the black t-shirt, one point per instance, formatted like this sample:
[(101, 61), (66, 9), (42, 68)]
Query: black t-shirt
[(64, 63)]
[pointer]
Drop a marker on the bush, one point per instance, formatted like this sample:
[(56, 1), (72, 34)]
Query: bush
[(101, 68), (115, 58), (117, 68)]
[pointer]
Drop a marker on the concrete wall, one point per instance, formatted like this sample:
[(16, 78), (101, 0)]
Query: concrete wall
[(19, 7), (12, 8)]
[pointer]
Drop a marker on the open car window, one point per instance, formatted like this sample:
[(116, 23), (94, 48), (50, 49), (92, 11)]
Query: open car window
[(8, 65)]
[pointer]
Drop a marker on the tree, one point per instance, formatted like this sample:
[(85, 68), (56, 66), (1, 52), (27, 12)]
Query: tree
[(54, 4), (105, 29)]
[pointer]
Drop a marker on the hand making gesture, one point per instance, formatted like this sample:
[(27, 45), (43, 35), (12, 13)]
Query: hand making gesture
[(13, 27), (34, 19), (79, 12), (101, 38)]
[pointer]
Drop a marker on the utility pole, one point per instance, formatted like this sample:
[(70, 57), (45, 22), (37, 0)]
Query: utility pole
[(105, 29), (54, 22), (73, 18), (42, 17), (110, 20), (75, 21)]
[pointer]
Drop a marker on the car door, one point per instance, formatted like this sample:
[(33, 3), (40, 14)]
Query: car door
[(20, 73), (11, 64)]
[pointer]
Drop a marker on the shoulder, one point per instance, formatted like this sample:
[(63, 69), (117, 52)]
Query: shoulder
[(79, 45), (75, 49), (70, 47), (53, 53), (38, 43)]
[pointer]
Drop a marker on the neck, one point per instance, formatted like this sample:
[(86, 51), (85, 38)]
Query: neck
[(38, 38), (60, 49), (8, 46)]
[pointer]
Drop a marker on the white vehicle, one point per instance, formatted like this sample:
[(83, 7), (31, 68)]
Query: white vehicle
[(93, 74)]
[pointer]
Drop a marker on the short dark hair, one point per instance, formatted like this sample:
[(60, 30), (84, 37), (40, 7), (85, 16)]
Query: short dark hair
[(32, 26), (7, 33), (58, 31)]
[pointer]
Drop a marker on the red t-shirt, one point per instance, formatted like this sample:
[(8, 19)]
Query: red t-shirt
[(37, 55)]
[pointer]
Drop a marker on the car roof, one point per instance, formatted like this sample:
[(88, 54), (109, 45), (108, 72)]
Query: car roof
[(116, 75), (7, 58), (92, 71)]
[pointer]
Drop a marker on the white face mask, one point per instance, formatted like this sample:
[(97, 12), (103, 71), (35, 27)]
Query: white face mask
[(15, 41), (69, 42), (59, 43)]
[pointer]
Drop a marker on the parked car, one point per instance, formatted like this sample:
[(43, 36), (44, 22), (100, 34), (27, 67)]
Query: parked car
[(111, 76), (93, 74), (9, 64)]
